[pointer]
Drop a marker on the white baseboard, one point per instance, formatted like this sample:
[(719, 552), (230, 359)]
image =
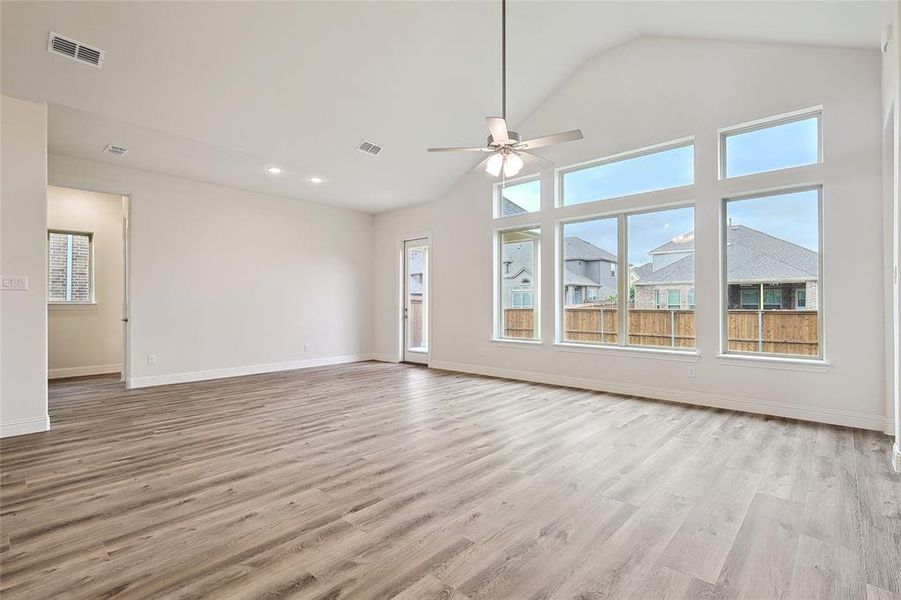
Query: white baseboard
[(24, 426), (82, 371), (190, 376), (383, 357), (765, 407)]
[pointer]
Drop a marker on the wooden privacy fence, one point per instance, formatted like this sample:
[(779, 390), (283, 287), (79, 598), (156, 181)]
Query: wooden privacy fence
[(777, 331)]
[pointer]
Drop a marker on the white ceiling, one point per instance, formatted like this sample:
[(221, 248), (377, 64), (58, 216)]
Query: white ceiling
[(218, 91)]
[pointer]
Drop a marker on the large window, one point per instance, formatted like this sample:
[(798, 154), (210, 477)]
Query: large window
[(69, 268), (518, 284), (661, 292), (635, 173), (590, 287), (773, 145), (772, 260), (517, 198)]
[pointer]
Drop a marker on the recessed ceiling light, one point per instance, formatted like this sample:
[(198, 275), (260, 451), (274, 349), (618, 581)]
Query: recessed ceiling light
[(274, 170), (315, 179)]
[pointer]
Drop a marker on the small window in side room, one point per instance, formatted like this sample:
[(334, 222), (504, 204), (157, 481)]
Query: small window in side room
[(70, 272)]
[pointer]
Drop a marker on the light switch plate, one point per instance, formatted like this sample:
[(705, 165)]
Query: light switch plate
[(15, 282)]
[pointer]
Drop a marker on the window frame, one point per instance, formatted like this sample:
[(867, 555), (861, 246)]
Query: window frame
[(561, 172), (820, 357), (766, 123), (498, 186), (497, 332), (622, 283), (91, 287)]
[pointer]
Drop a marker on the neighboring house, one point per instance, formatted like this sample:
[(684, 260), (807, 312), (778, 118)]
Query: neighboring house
[(517, 276), (510, 208), (589, 275), (764, 272)]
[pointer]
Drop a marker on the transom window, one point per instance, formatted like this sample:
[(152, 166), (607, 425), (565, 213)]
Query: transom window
[(517, 198), (70, 272), (775, 144), (634, 173)]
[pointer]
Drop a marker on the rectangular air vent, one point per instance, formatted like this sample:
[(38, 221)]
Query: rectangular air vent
[(115, 150), (369, 148), (63, 46)]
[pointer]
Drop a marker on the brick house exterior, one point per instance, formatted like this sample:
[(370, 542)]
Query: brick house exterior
[(69, 266)]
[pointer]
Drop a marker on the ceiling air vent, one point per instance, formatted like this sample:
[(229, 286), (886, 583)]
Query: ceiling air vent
[(115, 150), (75, 50), (369, 148)]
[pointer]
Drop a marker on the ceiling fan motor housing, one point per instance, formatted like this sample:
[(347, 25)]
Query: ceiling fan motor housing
[(515, 138)]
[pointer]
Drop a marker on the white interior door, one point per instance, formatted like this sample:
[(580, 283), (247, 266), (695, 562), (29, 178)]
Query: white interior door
[(416, 301)]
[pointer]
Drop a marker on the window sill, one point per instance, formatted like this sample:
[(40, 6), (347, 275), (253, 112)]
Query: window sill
[(814, 365), (516, 343), (632, 352), (70, 305)]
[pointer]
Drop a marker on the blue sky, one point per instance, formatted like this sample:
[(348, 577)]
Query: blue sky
[(787, 145), (657, 171), (526, 195), (792, 217)]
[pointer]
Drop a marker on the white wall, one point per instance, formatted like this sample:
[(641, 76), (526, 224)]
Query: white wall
[(227, 282), (646, 92), (86, 339), (23, 221)]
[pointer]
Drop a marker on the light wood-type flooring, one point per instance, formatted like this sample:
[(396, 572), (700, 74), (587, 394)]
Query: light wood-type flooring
[(375, 480)]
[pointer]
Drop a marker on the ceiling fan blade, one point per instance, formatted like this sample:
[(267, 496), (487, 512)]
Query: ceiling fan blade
[(557, 138), (460, 149), (534, 157), (498, 128), (482, 164)]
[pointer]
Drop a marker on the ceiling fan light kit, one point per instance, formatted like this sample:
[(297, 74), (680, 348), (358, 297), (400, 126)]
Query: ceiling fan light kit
[(506, 147)]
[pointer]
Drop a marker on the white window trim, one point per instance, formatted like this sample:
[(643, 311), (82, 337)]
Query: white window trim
[(724, 284), (766, 123), (498, 320)]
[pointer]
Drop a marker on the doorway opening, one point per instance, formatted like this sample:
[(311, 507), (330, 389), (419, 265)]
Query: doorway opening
[(416, 301), (87, 283)]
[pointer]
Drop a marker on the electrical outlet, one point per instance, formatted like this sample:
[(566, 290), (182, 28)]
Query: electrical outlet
[(691, 371), (306, 347), (151, 359), (15, 282)]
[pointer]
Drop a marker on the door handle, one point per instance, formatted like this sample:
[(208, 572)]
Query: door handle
[(405, 312), (125, 320)]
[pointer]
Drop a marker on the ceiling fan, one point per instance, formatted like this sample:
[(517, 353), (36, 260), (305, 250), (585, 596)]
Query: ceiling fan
[(506, 148)]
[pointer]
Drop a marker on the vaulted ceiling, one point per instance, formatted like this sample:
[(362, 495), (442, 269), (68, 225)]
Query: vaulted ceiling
[(219, 91)]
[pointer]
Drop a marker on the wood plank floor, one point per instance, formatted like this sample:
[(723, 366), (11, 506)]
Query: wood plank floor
[(374, 480)]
